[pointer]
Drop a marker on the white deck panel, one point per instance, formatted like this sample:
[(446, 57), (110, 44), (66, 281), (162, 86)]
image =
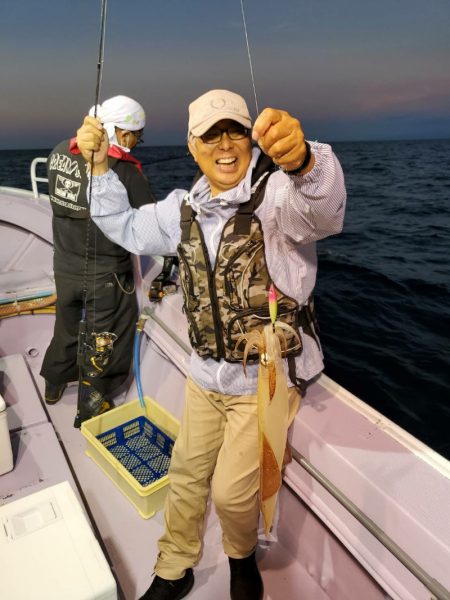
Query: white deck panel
[(38, 463), (23, 405)]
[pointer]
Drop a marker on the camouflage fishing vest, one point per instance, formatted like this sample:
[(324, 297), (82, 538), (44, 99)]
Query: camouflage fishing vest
[(231, 299)]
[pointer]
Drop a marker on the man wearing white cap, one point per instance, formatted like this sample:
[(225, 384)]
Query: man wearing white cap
[(252, 218), (123, 119), (106, 277)]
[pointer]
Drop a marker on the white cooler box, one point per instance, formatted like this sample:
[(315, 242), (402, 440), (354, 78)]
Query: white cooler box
[(48, 550)]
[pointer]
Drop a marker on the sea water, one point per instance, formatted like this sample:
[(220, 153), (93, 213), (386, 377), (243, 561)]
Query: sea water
[(383, 288)]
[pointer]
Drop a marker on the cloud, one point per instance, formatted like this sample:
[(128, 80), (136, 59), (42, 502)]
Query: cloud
[(424, 96)]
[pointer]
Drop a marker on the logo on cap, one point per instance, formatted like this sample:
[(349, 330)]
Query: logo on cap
[(218, 103)]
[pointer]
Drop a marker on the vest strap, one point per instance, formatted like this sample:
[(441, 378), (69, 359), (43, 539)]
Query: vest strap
[(307, 320), (243, 217), (299, 383), (187, 218)]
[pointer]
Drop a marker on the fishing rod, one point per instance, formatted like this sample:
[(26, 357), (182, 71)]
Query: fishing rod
[(101, 53), (103, 346)]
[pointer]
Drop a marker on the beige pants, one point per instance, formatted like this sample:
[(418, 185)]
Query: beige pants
[(217, 449)]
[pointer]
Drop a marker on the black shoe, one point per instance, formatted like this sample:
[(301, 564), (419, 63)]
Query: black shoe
[(246, 582), (166, 589), (91, 404), (53, 392)]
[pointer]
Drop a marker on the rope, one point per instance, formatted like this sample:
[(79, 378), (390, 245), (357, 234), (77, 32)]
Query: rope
[(249, 57), (27, 306)]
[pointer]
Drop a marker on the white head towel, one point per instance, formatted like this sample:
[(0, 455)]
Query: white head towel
[(122, 112)]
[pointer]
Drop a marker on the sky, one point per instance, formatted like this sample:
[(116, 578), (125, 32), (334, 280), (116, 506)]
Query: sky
[(348, 69)]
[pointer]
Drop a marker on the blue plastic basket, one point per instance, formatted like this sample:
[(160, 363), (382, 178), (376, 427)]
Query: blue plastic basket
[(141, 447)]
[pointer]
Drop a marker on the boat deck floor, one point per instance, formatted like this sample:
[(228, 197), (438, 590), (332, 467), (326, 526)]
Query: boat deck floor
[(48, 449)]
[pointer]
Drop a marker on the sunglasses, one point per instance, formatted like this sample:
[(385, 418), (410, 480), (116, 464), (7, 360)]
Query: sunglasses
[(234, 132), (137, 134)]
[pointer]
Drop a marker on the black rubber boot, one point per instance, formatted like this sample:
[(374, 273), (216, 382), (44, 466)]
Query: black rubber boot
[(166, 589), (53, 392), (246, 582), (91, 404)]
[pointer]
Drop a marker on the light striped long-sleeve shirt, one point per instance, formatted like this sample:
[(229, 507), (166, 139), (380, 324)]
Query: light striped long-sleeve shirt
[(297, 211)]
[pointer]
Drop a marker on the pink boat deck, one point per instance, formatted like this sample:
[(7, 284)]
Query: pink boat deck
[(49, 450)]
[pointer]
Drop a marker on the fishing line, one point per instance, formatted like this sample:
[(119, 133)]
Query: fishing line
[(82, 328), (249, 57)]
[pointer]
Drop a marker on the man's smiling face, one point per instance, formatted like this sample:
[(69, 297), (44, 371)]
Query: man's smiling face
[(224, 162)]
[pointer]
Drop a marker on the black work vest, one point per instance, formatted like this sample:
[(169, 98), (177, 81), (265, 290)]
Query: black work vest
[(68, 185), (68, 182)]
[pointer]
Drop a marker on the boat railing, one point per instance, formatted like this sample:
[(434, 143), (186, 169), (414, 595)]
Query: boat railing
[(34, 177)]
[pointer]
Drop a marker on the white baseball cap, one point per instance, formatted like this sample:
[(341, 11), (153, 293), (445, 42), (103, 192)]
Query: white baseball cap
[(215, 105)]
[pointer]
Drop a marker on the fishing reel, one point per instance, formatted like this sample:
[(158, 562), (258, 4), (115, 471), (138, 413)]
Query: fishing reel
[(94, 350), (100, 351), (164, 284)]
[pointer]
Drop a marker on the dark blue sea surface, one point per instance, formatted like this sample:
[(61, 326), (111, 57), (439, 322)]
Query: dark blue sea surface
[(383, 289)]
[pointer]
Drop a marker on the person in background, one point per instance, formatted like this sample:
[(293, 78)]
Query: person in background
[(252, 218), (103, 278)]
